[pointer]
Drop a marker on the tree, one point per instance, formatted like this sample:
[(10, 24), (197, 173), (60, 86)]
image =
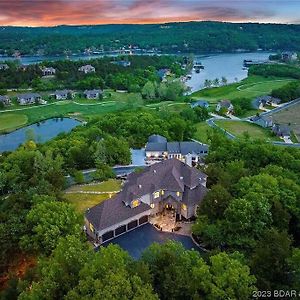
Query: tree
[(57, 275), (224, 80), (148, 91), (47, 222), (216, 82), (231, 279), (215, 202), (269, 259), (103, 172), (245, 220), (110, 275), (207, 83)]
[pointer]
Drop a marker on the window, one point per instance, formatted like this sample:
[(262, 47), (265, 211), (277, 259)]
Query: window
[(152, 205), (162, 192), (156, 194), (135, 203), (183, 206), (91, 227), (178, 194)]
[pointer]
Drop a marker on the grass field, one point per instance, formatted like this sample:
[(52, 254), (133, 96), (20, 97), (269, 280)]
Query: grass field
[(107, 186), (82, 202), (201, 132), (290, 116), (10, 121), (250, 87), (239, 128)]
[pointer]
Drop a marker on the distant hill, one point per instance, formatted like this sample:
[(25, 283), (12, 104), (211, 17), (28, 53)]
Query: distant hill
[(171, 37)]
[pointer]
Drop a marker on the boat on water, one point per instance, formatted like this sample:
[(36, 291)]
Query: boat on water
[(198, 66)]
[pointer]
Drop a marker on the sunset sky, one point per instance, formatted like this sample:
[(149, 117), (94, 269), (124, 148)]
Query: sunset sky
[(56, 12)]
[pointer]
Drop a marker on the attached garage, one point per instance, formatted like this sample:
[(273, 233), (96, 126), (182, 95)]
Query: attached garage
[(108, 235), (120, 230), (132, 224), (143, 220)]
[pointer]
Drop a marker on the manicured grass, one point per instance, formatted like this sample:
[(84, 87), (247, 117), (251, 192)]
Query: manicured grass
[(82, 202), (250, 88), (11, 121), (201, 132), (239, 128), (107, 186)]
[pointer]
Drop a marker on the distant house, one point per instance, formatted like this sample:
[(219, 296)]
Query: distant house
[(64, 94), (262, 101), (92, 94), (30, 98), (87, 69), (5, 100), (158, 149), (289, 56), (23, 67), (4, 67), (263, 121), (122, 63), (225, 104), (48, 71), (283, 131), (163, 73), (200, 103)]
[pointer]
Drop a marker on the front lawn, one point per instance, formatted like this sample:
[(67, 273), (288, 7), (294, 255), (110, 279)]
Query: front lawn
[(239, 128)]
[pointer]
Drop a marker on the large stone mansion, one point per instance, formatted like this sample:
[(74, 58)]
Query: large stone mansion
[(167, 184)]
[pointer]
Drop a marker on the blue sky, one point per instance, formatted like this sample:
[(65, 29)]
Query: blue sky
[(55, 12)]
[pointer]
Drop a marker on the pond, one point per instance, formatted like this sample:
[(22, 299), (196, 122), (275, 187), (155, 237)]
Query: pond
[(40, 132), (136, 241), (228, 65)]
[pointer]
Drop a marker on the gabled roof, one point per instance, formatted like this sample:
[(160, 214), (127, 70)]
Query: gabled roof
[(225, 103), (29, 95), (3, 98), (92, 92), (171, 175), (62, 92), (156, 138), (201, 103)]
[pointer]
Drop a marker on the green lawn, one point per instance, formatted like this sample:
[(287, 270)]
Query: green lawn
[(82, 202), (238, 128), (250, 87), (201, 132), (11, 121), (107, 186)]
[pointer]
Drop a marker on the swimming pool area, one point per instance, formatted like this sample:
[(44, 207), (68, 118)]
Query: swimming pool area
[(137, 240)]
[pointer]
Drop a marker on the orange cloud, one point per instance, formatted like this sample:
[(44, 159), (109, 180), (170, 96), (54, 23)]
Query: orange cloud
[(56, 12)]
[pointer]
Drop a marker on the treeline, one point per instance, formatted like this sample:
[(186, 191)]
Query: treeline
[(253, 207), (172, 37), (277, 70), (108, 74), (288, 92)]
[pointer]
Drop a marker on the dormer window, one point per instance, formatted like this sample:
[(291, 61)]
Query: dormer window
[(183, 206), (135, 203), (156, 194), (162, 192), (91, 227)]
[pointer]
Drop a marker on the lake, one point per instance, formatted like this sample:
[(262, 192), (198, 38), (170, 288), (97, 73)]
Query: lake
[(137, 240), (40, 132), (229, 65)]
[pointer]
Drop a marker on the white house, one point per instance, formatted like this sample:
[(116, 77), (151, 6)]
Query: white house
[(87, 69)]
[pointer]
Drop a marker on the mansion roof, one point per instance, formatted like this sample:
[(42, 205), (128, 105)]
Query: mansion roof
[(170, 175)]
